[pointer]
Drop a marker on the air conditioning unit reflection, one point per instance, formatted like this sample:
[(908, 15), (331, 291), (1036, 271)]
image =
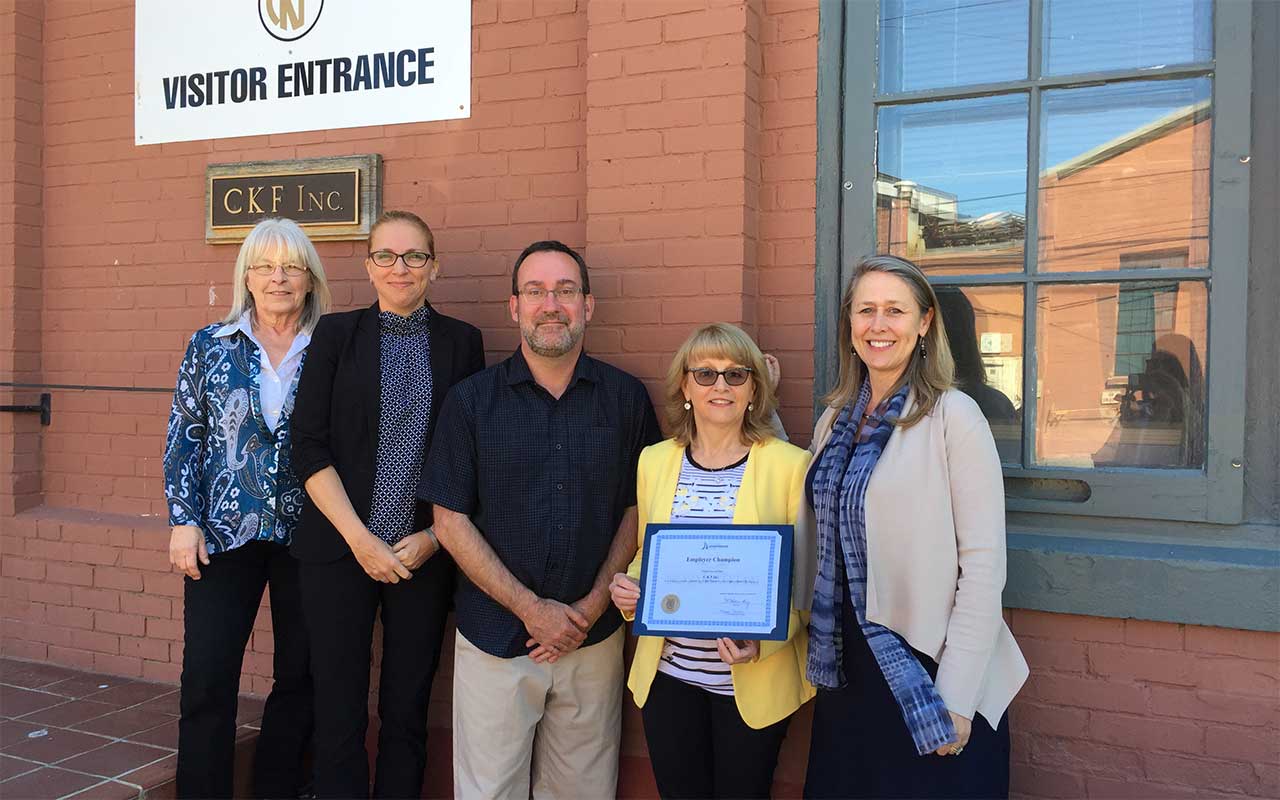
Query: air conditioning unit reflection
[(993, 343)]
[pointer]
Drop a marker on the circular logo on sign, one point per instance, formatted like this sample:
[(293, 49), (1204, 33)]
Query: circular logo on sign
[(288, 20), (671, 604)]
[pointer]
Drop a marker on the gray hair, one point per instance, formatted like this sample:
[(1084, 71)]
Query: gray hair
[(285, 238)]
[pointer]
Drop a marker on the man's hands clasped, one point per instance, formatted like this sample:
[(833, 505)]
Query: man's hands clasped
[(556, 629)]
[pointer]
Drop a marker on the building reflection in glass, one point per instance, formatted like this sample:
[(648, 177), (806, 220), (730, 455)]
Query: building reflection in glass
[(984, 330), (952, 184), (1119, 240), (1126, 178), (1121, 377)]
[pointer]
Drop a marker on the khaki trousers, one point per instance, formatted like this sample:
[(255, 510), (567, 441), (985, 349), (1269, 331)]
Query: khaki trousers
[(522, 729)]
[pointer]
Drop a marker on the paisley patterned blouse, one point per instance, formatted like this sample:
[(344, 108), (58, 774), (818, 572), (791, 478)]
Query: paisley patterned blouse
[(225, 470)]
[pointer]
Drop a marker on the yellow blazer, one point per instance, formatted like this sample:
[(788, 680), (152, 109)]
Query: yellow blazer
[(773, 687)]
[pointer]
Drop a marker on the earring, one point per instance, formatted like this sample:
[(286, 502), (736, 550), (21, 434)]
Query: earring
[(751, 406), (923, 354), (687, 405)]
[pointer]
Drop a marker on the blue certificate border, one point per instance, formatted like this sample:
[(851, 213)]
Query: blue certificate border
[(782, 580)]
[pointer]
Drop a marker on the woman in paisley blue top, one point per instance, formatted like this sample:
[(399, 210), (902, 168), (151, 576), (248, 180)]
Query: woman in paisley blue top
[(367, 403), (233, 503)]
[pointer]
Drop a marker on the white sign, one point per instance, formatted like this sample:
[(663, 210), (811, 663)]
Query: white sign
[(207, 70)]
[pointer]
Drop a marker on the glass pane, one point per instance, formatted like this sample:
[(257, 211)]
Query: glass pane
[(984, 329), (1096, 35), (951, 188), (931, 44), (1121, 374), (1126, 178)]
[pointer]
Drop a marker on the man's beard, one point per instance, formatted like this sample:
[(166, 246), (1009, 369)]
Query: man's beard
[(553, 342)]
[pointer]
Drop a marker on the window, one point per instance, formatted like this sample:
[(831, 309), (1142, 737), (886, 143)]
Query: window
[(1068, 174)]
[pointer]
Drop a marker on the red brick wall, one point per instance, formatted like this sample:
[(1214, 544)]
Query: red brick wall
[(675, 141), (127, 274), (672, 171), (1127, 708), (716, 193), (20, 275), (788, 164)]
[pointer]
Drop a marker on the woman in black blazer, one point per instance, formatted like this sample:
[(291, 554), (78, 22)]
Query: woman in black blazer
[(365, 412)]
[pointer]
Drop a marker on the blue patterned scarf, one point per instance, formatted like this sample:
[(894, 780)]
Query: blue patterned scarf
[(839, 495)]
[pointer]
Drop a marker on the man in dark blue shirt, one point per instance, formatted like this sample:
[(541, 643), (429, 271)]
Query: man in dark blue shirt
[(532, 473)]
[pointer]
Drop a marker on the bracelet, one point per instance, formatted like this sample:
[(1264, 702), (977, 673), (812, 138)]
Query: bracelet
[(431, 534)]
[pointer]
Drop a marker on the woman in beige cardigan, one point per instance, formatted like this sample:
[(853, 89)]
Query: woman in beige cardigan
[(907, 647)]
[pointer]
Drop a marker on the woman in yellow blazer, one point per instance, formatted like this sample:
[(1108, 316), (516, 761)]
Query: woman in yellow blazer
[(716, 710)]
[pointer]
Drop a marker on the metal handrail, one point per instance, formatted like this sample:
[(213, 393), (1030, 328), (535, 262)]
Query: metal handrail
[(44, 409)]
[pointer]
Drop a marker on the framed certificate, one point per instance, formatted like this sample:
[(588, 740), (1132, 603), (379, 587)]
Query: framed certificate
[(705, 581)]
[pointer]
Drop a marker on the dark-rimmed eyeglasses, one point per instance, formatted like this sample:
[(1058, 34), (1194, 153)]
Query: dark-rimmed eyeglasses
[(734, 376), (292, 270), (563, 294), (413, 259)]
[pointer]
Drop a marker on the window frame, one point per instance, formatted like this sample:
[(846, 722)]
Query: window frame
[(847, 101)]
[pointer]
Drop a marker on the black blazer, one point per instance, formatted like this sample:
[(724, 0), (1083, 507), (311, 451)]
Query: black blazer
[(336, 409)]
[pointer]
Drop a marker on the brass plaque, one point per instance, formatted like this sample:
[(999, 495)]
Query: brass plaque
[(331, 198)]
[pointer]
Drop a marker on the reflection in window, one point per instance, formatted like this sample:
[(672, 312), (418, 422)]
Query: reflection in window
[(1096, 35), (1100, 403), (951, 187), (1125, 175), (984, 331), (930, 44), (1144, 309)]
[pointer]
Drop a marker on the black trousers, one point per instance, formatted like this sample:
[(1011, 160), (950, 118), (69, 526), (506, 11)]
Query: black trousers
[(700, 747), (218, 615), (861, 748), (341, 602)]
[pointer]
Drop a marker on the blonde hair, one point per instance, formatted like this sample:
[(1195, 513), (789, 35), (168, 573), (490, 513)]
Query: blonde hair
[(928, 376), (720, 340), (287, 241), (394, 215)]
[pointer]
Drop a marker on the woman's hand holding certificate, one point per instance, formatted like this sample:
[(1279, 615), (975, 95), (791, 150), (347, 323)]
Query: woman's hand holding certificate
[(715, 581)]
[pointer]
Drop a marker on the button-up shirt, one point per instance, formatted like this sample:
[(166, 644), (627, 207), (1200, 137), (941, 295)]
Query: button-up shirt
[(545, 480), (404, 345), (274, 383)]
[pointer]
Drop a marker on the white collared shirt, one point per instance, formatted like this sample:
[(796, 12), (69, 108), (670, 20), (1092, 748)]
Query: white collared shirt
[(274, 383)]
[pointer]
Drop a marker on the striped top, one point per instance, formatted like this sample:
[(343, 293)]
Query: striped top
[(704, 496)]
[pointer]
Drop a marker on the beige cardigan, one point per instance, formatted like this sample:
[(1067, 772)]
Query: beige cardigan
[(936, 552)]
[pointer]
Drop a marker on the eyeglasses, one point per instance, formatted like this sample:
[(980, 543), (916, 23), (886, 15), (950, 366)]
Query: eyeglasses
[(563, 295), (734, 376), (413, 259), (292, 270)]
